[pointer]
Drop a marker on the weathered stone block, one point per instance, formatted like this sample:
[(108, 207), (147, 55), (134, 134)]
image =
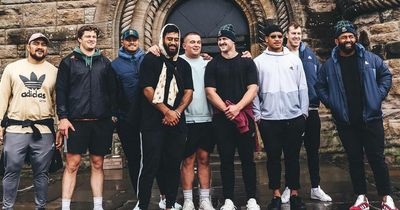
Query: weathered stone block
[(394, 66), (71, 16), (385, 38), (89, 15), (393, 50), (62, 33), (76, 4), (367, 19), (10, 17), (321, 6), (39, 14), (8, 51), (384, 28)]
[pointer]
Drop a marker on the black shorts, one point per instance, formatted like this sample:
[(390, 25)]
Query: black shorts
[(93, 135), (200, 135)]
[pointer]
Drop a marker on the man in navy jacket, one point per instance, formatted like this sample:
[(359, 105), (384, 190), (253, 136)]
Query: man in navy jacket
[(126, 67), (352, 84), (311, 137)]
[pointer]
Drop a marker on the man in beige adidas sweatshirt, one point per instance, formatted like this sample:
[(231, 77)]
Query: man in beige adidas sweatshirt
[(27, 102)]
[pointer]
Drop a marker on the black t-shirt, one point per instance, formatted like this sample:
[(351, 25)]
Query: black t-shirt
[(352, 84), (231, 76), (150, 71)]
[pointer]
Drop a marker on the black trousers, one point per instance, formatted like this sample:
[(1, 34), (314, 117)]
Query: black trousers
[(312, 139), (366, 138), (278, 136), (228, 139), (162, 152), (129, 135)]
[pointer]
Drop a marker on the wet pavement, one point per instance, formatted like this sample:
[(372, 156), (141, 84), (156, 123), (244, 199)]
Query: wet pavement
[(118, 193)]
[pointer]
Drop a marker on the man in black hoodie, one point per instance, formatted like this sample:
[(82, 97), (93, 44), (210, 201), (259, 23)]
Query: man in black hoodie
[(85, 91), (167, 87)]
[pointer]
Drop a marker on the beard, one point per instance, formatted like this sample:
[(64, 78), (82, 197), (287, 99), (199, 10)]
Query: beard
[(37, 58), (347, 50), (169, 52)]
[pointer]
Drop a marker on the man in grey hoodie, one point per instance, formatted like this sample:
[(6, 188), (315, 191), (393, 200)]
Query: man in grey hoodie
[(166, 82), (281, 108)]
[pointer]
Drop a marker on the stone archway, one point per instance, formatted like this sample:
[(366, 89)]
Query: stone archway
[(151, 15)]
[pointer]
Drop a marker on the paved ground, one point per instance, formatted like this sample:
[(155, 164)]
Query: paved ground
[(118, 193)]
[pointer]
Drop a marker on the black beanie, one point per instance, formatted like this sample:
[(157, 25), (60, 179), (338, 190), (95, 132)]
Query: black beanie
[(227, 31)]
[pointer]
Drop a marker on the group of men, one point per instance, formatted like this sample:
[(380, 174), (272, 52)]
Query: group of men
[(171, 109)]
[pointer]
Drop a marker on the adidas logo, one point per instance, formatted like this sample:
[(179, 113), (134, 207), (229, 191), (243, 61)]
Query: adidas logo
[(33, 84)]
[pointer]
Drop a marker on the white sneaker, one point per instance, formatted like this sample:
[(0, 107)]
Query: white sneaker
[(228, 205), (252, 204), (319, 194), (163, 203), (361, 203), (205, 204), (285, 197), (188, 205)]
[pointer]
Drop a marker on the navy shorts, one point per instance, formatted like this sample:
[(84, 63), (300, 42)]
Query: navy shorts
[(93, 135), (200, 135)]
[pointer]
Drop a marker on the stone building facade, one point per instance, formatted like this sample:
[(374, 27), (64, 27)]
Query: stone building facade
[(378, 25)]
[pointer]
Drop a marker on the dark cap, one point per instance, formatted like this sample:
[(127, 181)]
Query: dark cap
[(271, 29), (344, 26), (227, 31), (37, 36), (130, 32)]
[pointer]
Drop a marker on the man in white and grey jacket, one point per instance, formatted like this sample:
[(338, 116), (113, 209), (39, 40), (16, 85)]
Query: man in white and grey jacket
[(281, 108)]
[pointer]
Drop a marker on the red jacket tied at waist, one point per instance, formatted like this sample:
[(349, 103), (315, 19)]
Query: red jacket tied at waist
[(241, 120)]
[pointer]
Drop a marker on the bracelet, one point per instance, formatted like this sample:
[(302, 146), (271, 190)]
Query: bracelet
[(179, 114)]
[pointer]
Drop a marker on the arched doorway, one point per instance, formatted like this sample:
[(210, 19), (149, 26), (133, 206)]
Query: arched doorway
[(206, 17)]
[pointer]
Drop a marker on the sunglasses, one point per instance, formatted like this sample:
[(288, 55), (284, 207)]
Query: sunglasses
[(274, 36)]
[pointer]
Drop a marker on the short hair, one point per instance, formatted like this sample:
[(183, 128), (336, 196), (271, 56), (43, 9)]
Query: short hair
[(190, 33), (170, 28), (294, 25), (84, 28)]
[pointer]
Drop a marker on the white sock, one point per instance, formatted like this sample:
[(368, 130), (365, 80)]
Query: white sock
[(65, 204), (97, 203), (204, 194), (188, 195)]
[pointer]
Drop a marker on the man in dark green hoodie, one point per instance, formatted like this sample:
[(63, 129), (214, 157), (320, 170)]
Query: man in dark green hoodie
[(85, 91)]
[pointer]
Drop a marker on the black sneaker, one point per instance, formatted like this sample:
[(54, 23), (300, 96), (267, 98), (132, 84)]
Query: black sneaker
[(275, 204), (296, 203)]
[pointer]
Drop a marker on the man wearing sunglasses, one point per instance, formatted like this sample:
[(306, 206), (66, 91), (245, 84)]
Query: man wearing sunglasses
[(281, 109)]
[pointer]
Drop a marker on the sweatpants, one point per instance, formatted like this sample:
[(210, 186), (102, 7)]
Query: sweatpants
[(162, 152), (228, 138), (366, 138), (278, 136), (129, 135), (16, 147)]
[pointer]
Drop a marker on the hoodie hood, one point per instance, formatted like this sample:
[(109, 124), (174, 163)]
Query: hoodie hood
[(360, 50), (284, 52), (88, 59), (161, 43)]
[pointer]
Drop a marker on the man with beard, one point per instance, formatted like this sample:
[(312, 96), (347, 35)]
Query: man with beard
[(231, 85), (27, 100), (167, 87), (85, 104), (352, 84), (281, 109), (311, 137)]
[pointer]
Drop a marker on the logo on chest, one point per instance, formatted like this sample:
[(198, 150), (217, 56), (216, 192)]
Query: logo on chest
[(33, 84)]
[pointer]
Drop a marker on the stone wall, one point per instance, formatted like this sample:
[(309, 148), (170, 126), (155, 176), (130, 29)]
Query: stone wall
[(61, 19)]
